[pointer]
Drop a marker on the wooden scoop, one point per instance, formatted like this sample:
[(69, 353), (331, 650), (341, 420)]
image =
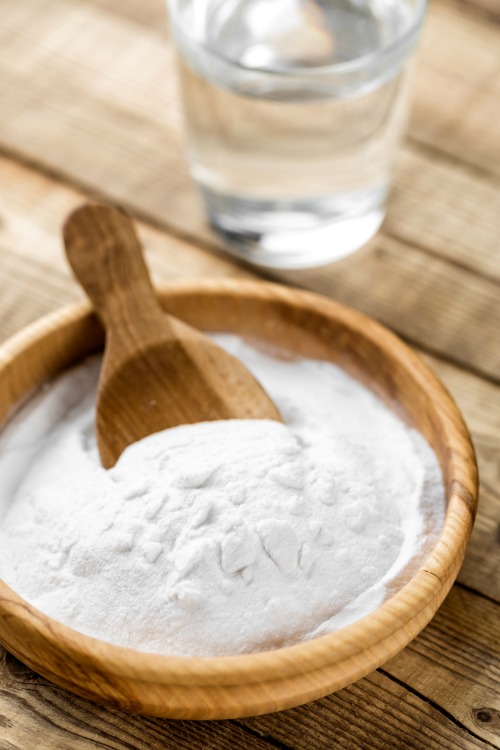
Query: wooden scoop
[(157, 372)]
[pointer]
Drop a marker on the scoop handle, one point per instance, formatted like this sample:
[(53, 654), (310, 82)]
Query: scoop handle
[(106, 257)]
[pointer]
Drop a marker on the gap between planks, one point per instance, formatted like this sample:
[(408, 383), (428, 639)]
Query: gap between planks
[(446, 714)]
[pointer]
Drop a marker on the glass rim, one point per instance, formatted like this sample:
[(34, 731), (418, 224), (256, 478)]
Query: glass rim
[(349, 66)]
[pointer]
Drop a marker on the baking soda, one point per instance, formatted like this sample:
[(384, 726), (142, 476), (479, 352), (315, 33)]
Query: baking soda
[(221, 537)]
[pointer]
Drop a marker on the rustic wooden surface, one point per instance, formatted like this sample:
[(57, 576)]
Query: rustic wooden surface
[(88, 108)]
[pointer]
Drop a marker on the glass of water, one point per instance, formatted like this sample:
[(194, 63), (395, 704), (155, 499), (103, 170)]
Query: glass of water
[(294, 110)]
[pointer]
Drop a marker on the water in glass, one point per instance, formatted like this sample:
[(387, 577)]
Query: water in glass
[(294, 109)]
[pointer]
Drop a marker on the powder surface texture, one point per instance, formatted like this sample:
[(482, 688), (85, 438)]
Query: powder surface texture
[(221, 537)]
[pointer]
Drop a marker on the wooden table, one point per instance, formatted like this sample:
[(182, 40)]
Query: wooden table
[(88, 107)]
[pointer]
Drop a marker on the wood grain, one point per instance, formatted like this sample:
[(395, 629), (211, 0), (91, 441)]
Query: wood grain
[(36, 714), (152, 13), (464, 124), (442, 208), (456, 663), (461, 700), (488, 9), (376, 713), (438, 306), (35, 274)]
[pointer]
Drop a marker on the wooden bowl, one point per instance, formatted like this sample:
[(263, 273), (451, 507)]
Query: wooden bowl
[(235, 686)]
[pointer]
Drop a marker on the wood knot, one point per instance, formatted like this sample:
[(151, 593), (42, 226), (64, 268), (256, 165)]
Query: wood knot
[(487, 718), (484, 715)]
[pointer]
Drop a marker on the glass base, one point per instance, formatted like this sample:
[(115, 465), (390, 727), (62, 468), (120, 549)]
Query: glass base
[(295, 235)]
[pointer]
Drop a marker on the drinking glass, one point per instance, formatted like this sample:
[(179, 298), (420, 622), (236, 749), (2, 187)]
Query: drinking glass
[(294, 110)]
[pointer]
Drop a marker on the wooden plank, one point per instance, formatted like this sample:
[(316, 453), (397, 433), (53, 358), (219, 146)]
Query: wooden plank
[(410, 721), (457, 87), (454, 665), (36, 714), (455, 662), (481, 568), (151, 13), (18, 279), (434, 304), (429, 716), (442, 208), (35, 274), (120, 81), (489, 9)]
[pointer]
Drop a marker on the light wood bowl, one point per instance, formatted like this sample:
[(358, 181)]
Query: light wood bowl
[(235, 686)]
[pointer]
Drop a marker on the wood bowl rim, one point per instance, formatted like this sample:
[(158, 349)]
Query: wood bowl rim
[(392, 616)]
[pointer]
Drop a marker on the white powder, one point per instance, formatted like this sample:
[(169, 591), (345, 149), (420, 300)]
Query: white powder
[(221, 537)]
